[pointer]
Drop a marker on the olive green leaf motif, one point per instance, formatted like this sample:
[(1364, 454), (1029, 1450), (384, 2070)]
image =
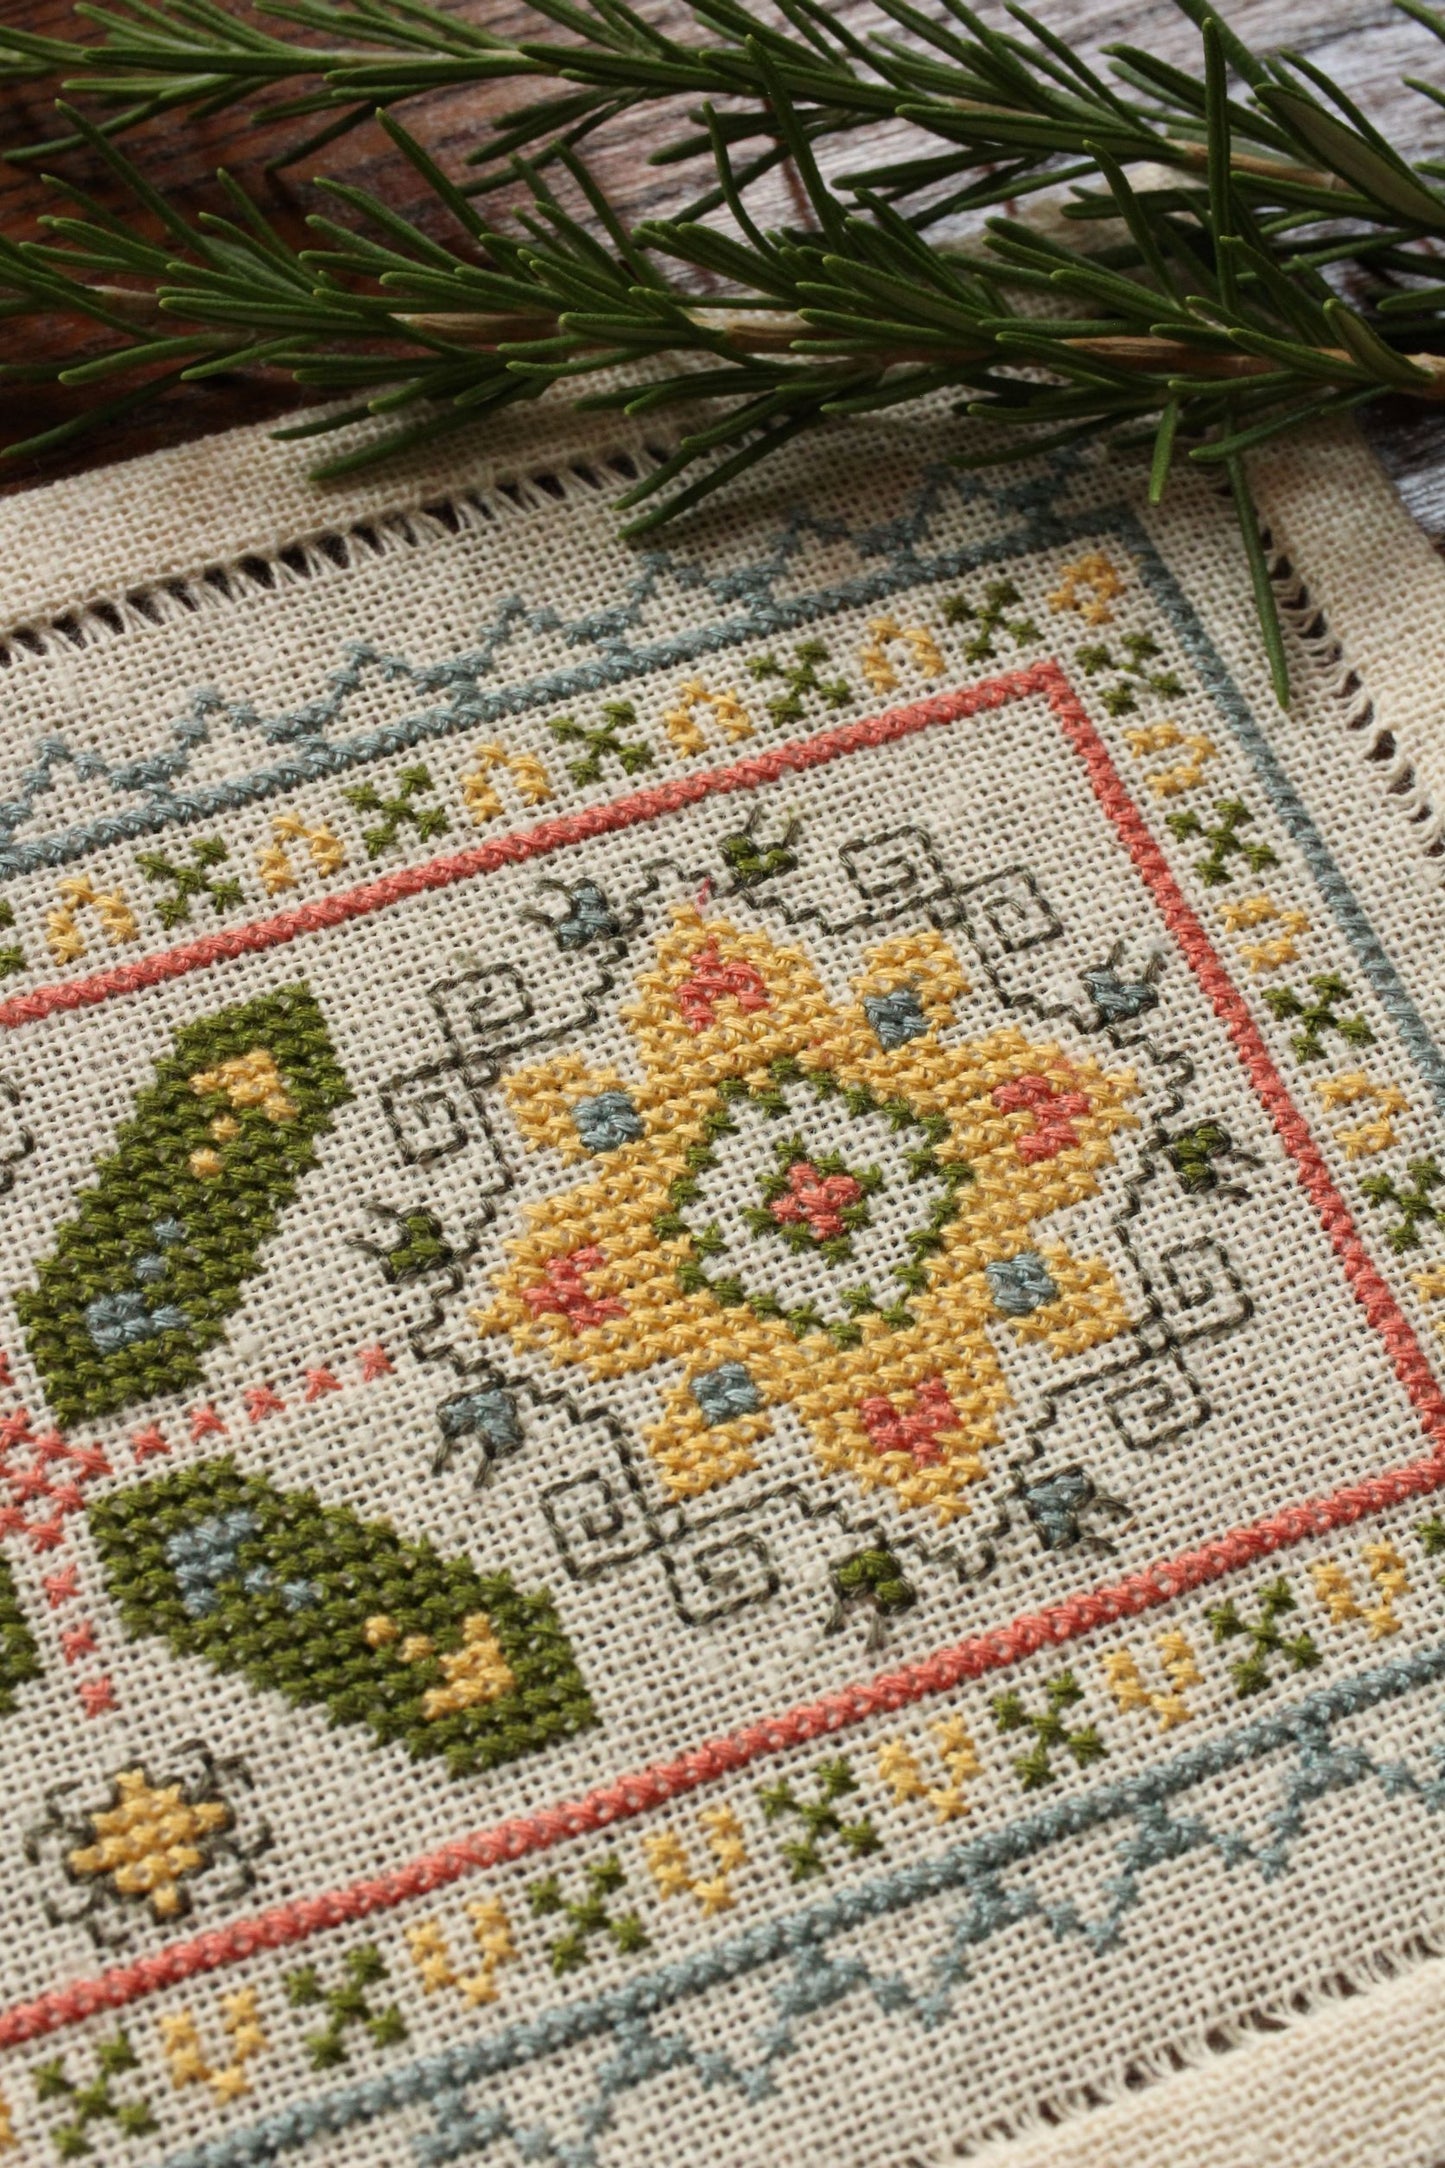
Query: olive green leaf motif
[(19, 1657), (145, 1276), (312, 1602)]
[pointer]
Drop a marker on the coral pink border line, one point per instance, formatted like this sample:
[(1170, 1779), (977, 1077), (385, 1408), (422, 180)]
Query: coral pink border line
[(973, 1658), (523, 844)]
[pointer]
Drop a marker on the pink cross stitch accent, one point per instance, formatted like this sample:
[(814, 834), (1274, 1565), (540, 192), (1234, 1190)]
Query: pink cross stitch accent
[(916, 1431), (711, 978), (36, 1484), (819, 1199), (562, 1292), (1054, 1115)]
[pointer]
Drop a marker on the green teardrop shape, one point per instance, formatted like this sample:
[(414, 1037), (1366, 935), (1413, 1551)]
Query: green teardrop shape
[(145, 1276), (312, 1602)]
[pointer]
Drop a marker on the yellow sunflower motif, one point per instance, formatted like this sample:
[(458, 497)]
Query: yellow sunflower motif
[(820, 1207)]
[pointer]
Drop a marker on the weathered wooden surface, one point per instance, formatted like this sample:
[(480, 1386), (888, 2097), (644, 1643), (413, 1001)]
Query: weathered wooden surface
[(1366, 44)]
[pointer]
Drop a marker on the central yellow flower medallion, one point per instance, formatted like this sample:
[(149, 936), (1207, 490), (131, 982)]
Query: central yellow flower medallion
[(826, 1208)]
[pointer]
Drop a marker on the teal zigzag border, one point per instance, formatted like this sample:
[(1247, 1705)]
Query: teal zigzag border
[(625, 2016), (760, 614), (745, 596)]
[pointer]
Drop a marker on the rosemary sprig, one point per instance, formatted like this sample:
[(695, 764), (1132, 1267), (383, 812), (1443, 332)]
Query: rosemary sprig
[(1201, 309)]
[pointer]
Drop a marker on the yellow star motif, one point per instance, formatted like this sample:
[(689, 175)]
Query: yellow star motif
[(149, 1841), (666, 1857), (898, 1769), (714, 1896), (430, 1955), (1171, 1709), (181, 2043), (724, 1837), (897, 1382), (955, 1746)]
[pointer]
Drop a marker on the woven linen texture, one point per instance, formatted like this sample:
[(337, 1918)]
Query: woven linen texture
[(721, 1281)]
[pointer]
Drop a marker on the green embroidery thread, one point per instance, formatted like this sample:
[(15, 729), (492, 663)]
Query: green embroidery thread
[(801, 677), (345, 2005), (1225, 842), (95, 2102), (12, 956), (604, 743), (1082, 1744), (1415, 1203), (820, 1818), (193, 880), (589, 1914), (19, 1657), (1140, 650), (1251, 1673), (399, 808), (1318, 1016), (1000, 596), (143, 1278), (332, 1611)]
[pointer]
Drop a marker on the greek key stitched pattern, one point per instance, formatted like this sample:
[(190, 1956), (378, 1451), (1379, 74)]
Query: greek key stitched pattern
[(721, 1288)]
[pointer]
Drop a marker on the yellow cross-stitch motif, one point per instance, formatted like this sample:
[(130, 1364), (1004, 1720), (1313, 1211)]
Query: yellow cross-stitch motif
[(149, 1841), (899, 1385)]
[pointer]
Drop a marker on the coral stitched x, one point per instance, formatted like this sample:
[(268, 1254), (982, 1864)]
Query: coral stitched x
[(806, 1205)]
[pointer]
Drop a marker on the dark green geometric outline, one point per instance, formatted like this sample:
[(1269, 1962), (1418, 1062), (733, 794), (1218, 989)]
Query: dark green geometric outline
[(923, 1165)]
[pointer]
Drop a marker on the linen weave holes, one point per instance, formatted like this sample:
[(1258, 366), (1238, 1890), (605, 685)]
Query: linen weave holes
[(939, 1513)]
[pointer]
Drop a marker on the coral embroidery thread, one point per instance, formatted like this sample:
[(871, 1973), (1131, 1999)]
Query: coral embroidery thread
[(799, 1296)]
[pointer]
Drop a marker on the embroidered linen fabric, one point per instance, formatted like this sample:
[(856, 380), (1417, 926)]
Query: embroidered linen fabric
[(721, 1281)]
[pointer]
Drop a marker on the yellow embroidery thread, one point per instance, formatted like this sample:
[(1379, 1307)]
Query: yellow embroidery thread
[(1126, 1681), (602, 1276), (181, 2045), (63, 936), (480, 795), (492, 1934), (668, 1863), (727, 710), (1386, 1570)]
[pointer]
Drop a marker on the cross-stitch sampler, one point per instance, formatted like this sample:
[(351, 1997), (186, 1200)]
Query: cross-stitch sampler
[(722, 1286)]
